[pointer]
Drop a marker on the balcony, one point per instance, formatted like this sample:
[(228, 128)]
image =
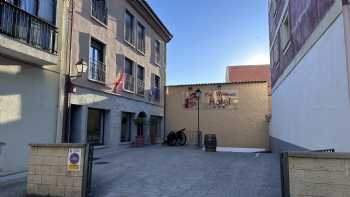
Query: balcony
[(156, 94), (97, 71), (26, 36), (129, 83), (140, 87)]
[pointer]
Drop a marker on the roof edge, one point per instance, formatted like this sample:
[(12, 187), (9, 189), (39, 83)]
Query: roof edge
[(248, 65), (145, 8), (222, 83)]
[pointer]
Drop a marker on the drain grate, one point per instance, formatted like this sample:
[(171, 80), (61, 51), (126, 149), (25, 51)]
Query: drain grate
[(101, 162)]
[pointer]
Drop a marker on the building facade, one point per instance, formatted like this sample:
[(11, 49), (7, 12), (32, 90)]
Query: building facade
[(310, 74), (124, 45), (246, 73), (32, 43), (235, 112)]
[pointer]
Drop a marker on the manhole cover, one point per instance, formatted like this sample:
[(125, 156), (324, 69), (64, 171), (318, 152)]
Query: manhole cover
[(101, 162)]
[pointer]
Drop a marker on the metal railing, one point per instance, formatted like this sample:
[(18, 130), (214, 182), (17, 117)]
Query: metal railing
[(99, 10), (330, 150), (140, 87), (129, 82), (156, 94), (27, 28), (97, 71)]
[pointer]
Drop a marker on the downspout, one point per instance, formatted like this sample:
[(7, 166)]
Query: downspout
[(164, 93), (66, 120), (346, 21)]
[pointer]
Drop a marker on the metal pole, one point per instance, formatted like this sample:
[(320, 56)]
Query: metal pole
[(198, 121)]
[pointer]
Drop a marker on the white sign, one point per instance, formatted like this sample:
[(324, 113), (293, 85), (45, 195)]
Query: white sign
[(74, 158)]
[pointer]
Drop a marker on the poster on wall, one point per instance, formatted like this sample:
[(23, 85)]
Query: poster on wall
[(212, 99)]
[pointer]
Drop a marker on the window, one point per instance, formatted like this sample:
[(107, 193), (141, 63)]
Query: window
[(30, 6), (44, 9), (99, 10), (95, 126), (96, 66), (129, 75), (273, 7), (140, 37), (140, 80), (155, 87), (157, 53), (285, 32), (275, 53), (47, 10), (129, 28)]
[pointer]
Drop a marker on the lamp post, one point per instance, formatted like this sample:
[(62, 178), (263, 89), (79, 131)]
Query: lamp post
[(81, 67), (198, 95)]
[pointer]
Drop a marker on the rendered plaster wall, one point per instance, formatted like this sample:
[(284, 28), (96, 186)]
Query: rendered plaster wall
[(244, 126)]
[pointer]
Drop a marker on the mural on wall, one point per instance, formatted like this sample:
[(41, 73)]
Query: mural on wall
[(212, 99), (190, 100)]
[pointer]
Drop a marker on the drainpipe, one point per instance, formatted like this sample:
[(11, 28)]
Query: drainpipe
[(164, 94), (67, 103), (346, 21)]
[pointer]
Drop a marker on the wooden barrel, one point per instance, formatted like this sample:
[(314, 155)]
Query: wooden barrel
[(210, 142)]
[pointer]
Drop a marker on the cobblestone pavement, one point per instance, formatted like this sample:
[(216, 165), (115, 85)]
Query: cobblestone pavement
[(185, 171)]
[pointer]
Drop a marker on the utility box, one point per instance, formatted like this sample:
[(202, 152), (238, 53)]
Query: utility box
[(59, 170)]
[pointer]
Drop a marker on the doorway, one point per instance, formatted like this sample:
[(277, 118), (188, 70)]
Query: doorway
[(155, 129), (126, 124), (76, 127), (95, 126)]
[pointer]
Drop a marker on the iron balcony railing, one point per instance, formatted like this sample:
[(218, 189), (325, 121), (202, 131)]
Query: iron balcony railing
[(99, 10), (97, 71), (140, 87), (156, 94), (27, 28), (129, 83)]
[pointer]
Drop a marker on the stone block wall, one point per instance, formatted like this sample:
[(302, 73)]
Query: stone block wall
[(319, 174), (48, 174)]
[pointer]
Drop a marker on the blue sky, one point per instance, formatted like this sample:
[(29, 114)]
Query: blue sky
[(212, 34)]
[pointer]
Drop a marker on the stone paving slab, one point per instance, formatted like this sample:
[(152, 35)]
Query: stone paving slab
[(160, 171), (186, 171)]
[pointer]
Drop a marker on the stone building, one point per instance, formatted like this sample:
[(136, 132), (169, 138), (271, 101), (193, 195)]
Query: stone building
[(32, 46), (124, 45), (309, 46), (235, 112)]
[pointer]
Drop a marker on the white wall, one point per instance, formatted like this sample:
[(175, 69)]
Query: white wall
[(311, 108), (28, 111)]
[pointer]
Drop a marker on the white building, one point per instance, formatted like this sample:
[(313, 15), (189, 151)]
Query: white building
[(309, 42)]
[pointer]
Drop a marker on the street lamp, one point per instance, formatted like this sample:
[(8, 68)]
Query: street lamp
[(81, 67), (198, 95)]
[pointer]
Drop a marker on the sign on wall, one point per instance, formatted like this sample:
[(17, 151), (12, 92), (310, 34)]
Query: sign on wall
[(74, 158), (221, 99), (212, 99)]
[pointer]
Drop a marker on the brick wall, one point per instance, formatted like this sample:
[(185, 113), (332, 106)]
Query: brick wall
[(47, 171), (319, 174)]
